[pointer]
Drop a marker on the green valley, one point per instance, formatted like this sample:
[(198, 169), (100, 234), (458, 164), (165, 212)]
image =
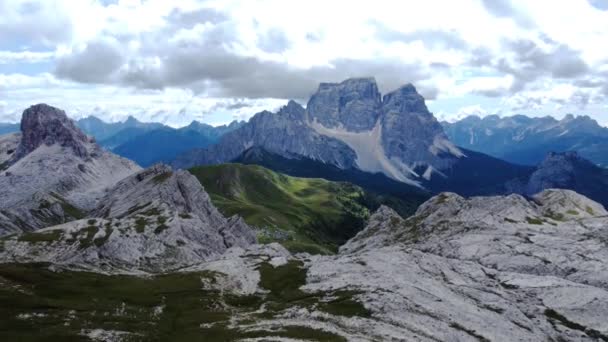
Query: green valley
[(303, 214)]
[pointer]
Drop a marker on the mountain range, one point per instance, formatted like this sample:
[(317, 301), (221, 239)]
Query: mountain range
[(93, 247), (351, 126), (146, 143), (524, 140)]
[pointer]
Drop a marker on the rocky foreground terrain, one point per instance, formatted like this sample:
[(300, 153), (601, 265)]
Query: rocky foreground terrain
[(478, 269), (155, 220)]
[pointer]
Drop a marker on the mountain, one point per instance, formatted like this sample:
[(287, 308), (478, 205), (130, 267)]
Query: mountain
[(163, 144), (349, 125), (52, 172), (160, 145), (524, 140), (6, 128), (212, 132), (568, 170), (479, 269), (102, 130), (303, 214), (154, 220)]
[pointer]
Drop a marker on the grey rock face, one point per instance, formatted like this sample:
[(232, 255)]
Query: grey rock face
[(8, 146), (43, 124), (347, 125), (353, 104), (411, 133), (155, 220)]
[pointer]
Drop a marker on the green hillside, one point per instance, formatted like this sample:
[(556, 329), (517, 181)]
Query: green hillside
[(303, 214)]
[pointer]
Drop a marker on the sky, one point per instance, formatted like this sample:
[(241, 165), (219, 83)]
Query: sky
[(216, 61)]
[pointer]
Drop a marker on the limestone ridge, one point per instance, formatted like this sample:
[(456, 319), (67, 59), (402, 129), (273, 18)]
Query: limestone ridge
[(349, 125), (55, 173), (155, 220), (43, 124)]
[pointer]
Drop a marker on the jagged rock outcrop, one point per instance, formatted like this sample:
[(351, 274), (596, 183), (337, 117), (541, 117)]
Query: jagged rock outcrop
[(155, 220), (348, 125), (55, 173), (42, 124)]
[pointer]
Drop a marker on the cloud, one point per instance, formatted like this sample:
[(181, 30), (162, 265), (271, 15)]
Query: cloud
[(34, 23), (515, 52), (202, 59), (95, 63)]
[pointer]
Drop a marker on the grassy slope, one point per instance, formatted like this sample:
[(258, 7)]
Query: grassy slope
[(318, 214), (40, 305)]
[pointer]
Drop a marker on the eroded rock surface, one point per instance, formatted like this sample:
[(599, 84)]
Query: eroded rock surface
[(155, 220)]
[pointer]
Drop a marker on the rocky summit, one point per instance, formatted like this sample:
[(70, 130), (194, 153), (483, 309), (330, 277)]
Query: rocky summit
[(52, 172), (42, 124), (349, 125)]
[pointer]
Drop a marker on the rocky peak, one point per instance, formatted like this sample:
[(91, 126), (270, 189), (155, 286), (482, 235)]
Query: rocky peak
[(405, 99), (568, 170), (352, 104), (293, 110), (44, 124)]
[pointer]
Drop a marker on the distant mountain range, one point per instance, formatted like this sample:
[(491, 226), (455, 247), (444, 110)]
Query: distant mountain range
[(146, 143), (524, 140)]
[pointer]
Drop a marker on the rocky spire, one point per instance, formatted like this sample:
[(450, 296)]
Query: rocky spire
[(44, 124)]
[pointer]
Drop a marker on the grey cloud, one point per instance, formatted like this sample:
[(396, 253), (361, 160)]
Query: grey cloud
[(492, 92), (505, 9), (94, 64), (207, 65), (527, 62), (274, 41)]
